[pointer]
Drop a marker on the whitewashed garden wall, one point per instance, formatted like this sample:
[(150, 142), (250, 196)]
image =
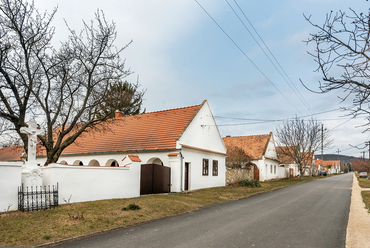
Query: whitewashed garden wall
[(10, 180), (90, 183)]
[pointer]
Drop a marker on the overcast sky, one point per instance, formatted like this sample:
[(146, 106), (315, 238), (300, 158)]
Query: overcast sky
[(183, 57)]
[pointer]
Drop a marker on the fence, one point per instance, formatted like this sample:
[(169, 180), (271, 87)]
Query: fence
[(37, 198)]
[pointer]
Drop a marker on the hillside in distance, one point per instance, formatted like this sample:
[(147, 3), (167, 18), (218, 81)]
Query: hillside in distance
[(342, 158)]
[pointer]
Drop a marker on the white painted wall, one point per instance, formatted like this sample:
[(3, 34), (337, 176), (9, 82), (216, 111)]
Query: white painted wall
[(264, 165), (268, 161), (203, 132), (87, 183), (284, 170), (10, 180), (196, 178), (271, 149)]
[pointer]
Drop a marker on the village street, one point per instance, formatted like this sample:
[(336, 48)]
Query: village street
[(312, 214)]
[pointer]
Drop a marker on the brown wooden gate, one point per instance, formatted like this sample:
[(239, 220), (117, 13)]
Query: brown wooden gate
[(155, 179), (256, 173), (291, 172)]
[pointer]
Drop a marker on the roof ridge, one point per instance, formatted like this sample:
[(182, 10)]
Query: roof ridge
[(246, 136), (161, 111)]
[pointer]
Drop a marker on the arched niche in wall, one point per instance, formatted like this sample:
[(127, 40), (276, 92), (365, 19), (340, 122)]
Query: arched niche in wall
[(78, 162), (94, 162), (155, 161), (112, 163)]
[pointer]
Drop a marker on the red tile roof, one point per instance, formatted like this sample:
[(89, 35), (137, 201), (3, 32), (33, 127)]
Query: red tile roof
[(334, 163), (254, 146), (145, 132), (11, 154), (134, 158), (284, 159)]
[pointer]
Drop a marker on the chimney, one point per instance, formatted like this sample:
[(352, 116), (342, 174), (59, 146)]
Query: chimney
[(118, 114)]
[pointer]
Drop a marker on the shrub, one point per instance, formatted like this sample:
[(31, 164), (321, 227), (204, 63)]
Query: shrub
[(47, 237), (131, 207), (251, 183)]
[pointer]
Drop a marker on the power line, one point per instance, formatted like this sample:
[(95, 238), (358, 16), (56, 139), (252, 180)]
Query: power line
[(341, 123), (241, 50), (295, 90), (304, 116), (261, 121)]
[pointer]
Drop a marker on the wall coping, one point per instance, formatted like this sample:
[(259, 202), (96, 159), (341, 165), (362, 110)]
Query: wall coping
[(11, 164)]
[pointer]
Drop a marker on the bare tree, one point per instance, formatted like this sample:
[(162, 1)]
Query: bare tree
[(342, 54), (299, 139), (25, 35), (236, 157), (360, 165), (64, 88)]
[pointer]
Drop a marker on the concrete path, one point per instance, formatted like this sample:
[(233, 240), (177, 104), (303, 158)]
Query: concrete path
[(311, 214), (358, 228)]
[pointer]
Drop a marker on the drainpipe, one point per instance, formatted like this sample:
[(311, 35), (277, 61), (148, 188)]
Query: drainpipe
[(181, 161)]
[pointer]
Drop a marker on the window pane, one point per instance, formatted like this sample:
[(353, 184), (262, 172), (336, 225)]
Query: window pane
[(215, 168), (205, 167)]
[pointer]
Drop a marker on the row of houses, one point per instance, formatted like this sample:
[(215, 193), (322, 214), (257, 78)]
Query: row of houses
[(170, 151)]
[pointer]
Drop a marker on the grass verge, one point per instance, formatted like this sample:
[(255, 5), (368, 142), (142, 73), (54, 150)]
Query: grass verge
[(366, 198), (363, 182), (75, 219)]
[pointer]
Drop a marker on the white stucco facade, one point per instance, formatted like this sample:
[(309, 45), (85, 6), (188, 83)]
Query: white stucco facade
[(284, 170), (200, 140), (90, 183), (10, 180), (269, 165)]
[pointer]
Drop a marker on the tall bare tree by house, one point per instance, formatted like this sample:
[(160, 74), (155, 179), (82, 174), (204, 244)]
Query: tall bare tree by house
[(299, 139), (65, 87), (343, 54)]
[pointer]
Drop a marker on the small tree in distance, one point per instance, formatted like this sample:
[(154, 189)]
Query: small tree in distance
[(124, 97), (299, 139), (236, 157), (360, 165)]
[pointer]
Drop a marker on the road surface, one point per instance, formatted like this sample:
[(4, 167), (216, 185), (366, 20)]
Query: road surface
[(311, 214)]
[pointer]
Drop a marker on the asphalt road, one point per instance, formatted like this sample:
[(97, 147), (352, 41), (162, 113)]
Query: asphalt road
[(311, 214)]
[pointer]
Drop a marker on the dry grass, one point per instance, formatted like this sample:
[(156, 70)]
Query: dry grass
[(366, 199), (363, 182), (35, 228)]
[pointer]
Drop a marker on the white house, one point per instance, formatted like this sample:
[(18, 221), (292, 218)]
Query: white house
[(174, 150), (261, 149), (287, 166), (330, 166)]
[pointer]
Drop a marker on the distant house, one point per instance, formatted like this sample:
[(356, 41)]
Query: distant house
[(330, 166), (289, 168), (181, 147), (262, 152)]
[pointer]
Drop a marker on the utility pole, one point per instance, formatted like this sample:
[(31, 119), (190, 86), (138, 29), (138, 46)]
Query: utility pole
[(368, 144), (322, 146), (322, 142), (338, 158)]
